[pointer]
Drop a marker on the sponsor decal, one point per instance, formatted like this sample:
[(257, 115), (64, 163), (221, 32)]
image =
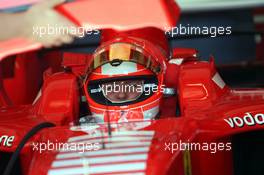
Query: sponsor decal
[(249, 120), (6, 141), (124, 152)]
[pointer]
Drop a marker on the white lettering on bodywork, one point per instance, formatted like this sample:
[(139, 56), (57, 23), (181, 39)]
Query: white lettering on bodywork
[(248, 120)]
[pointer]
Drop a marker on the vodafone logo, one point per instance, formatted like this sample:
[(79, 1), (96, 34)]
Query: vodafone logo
[(248, 119), (6, 141)]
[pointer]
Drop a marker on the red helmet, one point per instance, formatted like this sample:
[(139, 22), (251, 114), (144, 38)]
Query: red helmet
[(124, 83)]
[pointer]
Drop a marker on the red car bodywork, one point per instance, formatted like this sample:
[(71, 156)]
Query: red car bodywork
[(210, 111)]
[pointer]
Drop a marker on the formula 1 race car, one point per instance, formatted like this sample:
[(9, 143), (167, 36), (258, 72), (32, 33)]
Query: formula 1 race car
[(180, 118)]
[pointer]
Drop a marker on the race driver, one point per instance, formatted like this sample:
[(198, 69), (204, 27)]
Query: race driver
[(123, 83)]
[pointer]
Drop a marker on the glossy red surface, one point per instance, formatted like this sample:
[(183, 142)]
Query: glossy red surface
[(209, 111), (101, 14)]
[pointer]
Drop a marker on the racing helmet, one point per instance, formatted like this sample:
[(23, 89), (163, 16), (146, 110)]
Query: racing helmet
[(123, 83)]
